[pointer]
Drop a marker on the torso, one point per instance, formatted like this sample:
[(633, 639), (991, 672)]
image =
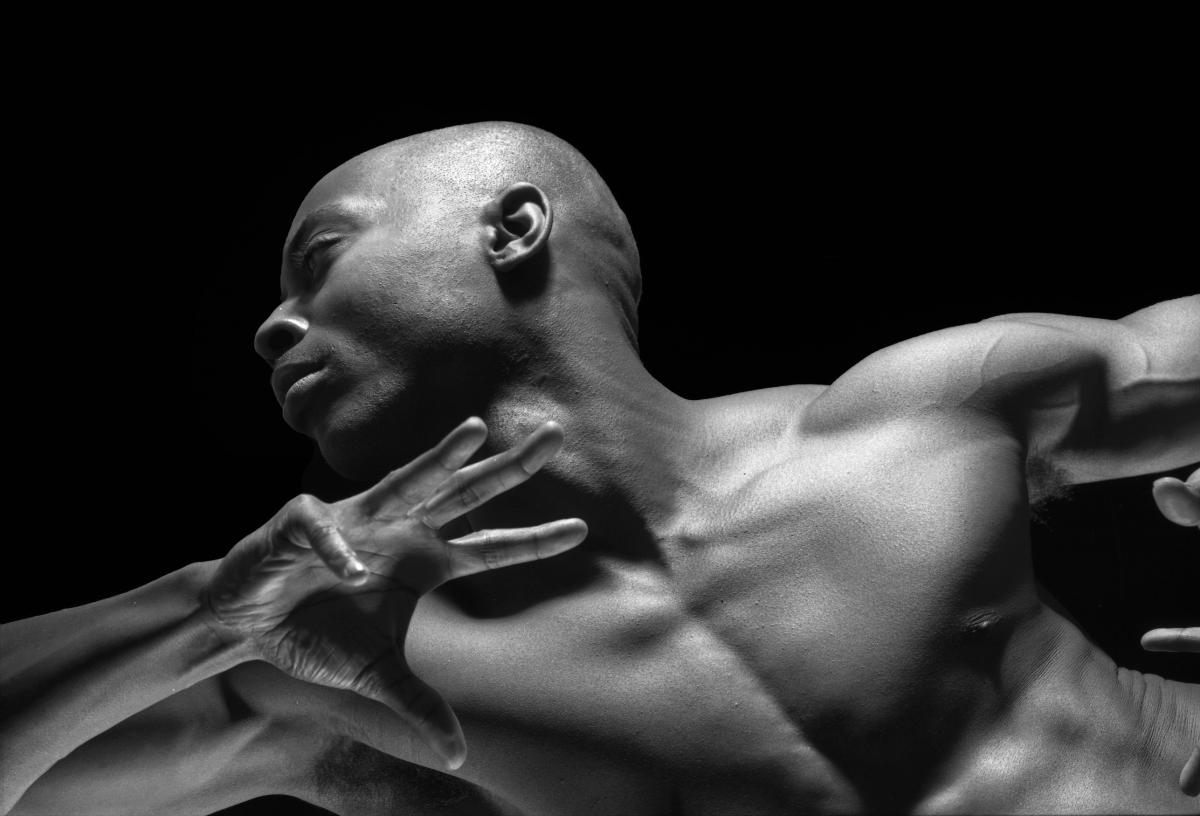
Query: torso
[(849, 623)]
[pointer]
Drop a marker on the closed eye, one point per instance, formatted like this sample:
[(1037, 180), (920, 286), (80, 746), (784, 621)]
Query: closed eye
[(306, 258)]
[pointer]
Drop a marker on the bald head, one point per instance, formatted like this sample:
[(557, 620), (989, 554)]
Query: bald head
[(440, 274), (465, 166)]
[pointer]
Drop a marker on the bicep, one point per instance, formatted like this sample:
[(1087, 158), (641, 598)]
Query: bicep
[(1105, 399), (1097, 399)]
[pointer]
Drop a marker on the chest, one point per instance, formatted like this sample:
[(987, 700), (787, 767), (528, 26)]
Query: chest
[(810, 624)]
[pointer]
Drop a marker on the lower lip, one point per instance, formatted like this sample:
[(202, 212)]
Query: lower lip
[(296, 395)]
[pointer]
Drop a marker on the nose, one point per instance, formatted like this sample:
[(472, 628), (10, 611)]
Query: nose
[(278, 333)]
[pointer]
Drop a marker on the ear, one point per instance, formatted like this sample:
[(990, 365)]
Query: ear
[(517, 223)]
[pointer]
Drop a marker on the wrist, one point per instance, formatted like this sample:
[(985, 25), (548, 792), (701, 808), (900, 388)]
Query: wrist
[(211, 642)]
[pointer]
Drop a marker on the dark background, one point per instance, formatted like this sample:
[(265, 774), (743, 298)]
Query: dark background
[(788, 226)]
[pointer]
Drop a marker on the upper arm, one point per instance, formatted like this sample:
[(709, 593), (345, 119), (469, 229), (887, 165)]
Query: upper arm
[(1098, 399)]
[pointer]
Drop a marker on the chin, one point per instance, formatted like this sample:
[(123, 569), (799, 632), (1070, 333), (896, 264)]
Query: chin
[(352, 456), (365, 451)]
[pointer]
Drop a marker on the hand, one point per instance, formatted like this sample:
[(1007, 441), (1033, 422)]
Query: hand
[(326, 592), (1180, 503)]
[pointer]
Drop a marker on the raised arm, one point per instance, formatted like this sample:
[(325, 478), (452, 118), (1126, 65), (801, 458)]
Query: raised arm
[(1095, 399), (71, 675), (1104, 399), (323, 592)]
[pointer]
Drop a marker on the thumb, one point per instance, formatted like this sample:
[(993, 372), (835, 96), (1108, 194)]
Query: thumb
[(390, 681)]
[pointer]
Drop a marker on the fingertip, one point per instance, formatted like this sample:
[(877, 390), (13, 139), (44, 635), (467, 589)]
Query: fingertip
[(550, 430), (539, 448), (451, 747), (456, 757), (473, 431), (473, 423), (566, 535)]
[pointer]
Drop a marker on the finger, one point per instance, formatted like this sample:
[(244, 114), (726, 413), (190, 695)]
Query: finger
[(390, 681), (1183, 639), (493, 549), (1177, 501), (474, 485), (320, 533), (1189, 777), (409, 485)]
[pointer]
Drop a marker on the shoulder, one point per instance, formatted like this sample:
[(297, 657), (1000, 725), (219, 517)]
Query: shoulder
[(968, 369)]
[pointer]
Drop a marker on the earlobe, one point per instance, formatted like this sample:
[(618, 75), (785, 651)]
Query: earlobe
[(518, 222)]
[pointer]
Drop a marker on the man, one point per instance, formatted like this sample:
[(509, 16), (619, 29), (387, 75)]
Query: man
[(802, 599)]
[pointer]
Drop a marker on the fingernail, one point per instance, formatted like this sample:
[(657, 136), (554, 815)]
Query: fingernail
[(355, 568)]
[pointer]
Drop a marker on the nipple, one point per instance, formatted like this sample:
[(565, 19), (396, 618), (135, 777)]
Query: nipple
[(980, 624)]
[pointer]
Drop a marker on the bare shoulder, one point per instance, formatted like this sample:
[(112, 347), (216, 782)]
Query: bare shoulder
[(964, 370), (783, 398)]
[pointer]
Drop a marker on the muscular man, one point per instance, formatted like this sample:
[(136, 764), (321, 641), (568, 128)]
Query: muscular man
[(804, 599)]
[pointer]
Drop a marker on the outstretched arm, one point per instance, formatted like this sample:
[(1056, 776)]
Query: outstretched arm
[(323, 592), (1102, 399), (1179, 502), (71, 675), (1094, 399)]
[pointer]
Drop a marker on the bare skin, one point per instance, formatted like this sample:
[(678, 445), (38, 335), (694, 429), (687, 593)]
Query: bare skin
[(805, 599)]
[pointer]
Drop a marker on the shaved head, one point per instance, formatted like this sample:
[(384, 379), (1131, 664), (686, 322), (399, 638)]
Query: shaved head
[(461, 168), (439, 274)]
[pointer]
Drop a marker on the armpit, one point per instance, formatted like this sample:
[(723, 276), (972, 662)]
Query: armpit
[(1046, 484)]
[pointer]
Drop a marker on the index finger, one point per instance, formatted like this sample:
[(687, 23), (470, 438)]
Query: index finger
[(482, 481), (409, 485)]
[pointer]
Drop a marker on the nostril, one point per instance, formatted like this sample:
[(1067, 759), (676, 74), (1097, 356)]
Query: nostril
[(279, 340)]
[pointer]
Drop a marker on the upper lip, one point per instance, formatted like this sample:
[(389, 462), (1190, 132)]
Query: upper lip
[(285, 376)]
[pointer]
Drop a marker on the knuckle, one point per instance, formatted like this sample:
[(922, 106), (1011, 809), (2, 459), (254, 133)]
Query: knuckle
[(306, 506), (491, 551), (468, 495)]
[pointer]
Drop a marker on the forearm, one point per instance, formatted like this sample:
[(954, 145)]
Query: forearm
[(1155, 417), (1104, 399), (184, 755), (69, 676)]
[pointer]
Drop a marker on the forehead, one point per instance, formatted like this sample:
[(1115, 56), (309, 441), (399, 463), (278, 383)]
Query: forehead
[(345, 194)]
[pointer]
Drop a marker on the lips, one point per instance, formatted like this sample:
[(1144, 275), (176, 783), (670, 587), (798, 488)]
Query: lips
[(285, 376)]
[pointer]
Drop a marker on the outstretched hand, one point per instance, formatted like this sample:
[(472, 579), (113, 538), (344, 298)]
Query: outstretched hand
[(326, 592), (1179, 502)]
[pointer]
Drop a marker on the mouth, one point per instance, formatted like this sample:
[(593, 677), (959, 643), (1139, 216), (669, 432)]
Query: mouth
[(292, 383)]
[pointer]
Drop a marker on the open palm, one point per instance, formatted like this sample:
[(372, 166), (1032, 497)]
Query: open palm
[(326, 592)]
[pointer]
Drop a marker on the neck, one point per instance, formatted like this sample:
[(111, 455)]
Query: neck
[(628, 457)]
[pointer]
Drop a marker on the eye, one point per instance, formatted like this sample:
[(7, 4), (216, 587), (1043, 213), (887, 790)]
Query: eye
[(312, 263)]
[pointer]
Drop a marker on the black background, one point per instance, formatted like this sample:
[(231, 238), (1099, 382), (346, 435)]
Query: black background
[(789, 224)]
